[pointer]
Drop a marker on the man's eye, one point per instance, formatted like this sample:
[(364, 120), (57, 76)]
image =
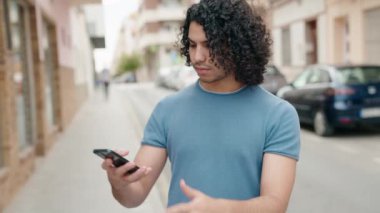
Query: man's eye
[(193, 46)]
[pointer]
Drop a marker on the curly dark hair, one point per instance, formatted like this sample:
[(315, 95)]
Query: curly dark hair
[(237, 37)]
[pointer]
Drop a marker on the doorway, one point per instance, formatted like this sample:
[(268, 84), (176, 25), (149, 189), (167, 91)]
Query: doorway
[(341, 41), (16, 13), (311, 42), (50, 73)]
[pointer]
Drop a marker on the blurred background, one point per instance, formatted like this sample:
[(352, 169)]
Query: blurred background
[(76, 75)]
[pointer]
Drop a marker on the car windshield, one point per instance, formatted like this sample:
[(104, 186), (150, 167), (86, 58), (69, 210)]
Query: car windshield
[(363, 75)]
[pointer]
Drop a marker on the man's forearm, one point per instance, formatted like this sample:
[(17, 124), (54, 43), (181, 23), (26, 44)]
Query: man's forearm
[(130, 196), (267, 204)]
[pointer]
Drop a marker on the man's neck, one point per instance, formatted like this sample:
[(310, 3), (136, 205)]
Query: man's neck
[(221, 87)]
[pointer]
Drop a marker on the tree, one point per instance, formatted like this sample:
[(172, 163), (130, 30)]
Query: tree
[(129, 63)]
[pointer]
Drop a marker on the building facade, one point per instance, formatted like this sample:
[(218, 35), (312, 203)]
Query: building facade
[(353, 29), (38, 91), (126, 42), (158, 28), (299, 34), (154, 30), (89, 23), (324, 31)]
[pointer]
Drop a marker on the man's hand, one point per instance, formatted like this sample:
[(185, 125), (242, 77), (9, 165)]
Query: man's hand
[(199, 202), (118, 177), (130, 190)]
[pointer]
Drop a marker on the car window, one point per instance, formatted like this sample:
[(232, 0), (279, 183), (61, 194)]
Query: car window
[(319, 76), (314, 78), (302, 79), (353, 75), (325, 76)]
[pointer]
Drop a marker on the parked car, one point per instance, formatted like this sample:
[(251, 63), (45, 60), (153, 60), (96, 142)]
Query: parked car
[(172, 77), (186, 76), (176, 77), (162, 74), (273, 79), (335, 96), (128, 77)]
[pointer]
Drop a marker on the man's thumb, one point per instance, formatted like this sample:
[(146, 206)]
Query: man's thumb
[(188, 191)]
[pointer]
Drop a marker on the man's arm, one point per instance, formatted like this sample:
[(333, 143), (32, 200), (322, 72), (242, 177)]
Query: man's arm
[(277, 180), (131, 190)]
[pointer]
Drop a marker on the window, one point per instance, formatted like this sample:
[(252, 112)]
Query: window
[(319, 76), (50, 74), (342, 40), (372, 35), (364, 75), (7, 24), (15, 18), (286, 47), (325, 76), (311, 33)]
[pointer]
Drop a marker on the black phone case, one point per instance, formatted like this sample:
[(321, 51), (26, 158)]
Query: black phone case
[(117, 159)]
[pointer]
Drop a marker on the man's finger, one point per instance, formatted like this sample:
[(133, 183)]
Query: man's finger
[(140, 173), (121, 171), (122, 152), (188, 191), (107, 163)]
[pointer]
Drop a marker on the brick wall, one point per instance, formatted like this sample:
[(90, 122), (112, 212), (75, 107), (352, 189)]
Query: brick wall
[(3, 172), (69, 101), (18, 166)]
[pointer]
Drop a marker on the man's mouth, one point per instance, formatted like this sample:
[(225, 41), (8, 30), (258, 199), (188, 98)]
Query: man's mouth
[(201, 70)]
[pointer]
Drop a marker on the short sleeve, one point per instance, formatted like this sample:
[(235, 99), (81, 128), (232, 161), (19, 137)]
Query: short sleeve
[(283, 131), (154, 132)]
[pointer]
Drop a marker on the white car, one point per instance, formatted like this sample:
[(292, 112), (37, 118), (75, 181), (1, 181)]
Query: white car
[(186, 77)]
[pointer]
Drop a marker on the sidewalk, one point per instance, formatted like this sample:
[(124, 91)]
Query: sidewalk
[(69, 178)]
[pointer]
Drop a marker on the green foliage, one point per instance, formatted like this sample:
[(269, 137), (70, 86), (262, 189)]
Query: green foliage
[(129, 63)]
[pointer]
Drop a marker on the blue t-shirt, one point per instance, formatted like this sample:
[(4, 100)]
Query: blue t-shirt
[(216, 142)]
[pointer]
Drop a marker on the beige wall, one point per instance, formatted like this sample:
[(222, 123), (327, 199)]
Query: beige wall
[(295, 11), (58, 14), (353, 12), (295, 14)]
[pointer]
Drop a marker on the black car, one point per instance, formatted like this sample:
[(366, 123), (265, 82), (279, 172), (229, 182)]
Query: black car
[(335, 96)]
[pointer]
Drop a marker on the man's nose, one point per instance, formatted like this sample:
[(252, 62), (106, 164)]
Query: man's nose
[(200, 55)]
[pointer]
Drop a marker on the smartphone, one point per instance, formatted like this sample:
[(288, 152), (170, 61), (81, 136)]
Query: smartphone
[(117, 159)]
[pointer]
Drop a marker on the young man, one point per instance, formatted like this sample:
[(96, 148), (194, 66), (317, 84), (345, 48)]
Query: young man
[(234, 144)]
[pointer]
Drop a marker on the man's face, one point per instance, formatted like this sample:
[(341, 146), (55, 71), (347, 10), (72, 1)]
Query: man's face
[(200, 58)]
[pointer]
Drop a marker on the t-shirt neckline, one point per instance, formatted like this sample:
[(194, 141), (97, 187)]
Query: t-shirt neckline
[(219, 93)]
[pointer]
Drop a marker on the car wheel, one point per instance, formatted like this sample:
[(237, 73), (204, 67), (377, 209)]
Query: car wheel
[(321, 125)]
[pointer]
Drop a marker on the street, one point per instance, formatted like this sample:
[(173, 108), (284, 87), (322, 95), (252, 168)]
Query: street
[(335, 174)]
